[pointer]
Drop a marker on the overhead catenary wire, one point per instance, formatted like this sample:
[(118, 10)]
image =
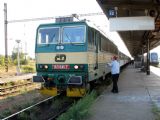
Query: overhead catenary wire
[(54, 17)]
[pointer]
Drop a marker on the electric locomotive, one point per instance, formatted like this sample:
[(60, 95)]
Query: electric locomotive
[(70, 56), (154, 59)]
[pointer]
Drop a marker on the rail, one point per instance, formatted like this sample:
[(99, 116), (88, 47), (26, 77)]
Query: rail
[(60, 112), (6, 91), (14, 86), (28, 108)]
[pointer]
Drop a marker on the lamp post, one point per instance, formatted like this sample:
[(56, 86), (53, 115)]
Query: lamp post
[(18, 58)]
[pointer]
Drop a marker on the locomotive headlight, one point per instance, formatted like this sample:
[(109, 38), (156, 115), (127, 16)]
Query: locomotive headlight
[(76, 67), (46, 66)]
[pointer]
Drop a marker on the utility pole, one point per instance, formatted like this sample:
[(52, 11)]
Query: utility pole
[(5, 37), (18, 58), (24, 35)]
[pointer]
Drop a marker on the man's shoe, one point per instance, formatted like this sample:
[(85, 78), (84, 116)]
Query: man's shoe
[(115, 91), (112, 91)]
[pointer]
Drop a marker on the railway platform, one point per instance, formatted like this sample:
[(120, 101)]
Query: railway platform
[(137, 94)]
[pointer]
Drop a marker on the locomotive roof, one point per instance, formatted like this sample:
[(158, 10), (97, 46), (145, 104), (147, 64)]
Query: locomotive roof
[(83, 22), (64, 23)]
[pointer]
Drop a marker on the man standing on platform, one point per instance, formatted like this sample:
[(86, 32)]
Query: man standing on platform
[(115, 70)]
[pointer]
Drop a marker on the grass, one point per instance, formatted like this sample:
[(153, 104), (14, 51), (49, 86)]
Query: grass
[(11, 71), (16, 108), (11, 83), (23, 116), (5, 113), (79, 110), (31, 114), (28, 69), (156, 112)]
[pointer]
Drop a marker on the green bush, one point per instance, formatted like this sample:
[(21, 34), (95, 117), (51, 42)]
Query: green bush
[(23, 116), (156, 112), (79, 110), (22, 62), (5, 113), (2, 60), (28, 69)]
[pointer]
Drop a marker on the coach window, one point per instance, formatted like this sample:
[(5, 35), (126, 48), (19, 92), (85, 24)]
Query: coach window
[(100, 46), (107, 45), (103, 44), (48, 35), (111, 48), (89, 38), (93, 38)]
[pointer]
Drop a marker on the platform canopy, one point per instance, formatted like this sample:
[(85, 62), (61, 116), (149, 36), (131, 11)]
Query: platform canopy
[(135, 40)]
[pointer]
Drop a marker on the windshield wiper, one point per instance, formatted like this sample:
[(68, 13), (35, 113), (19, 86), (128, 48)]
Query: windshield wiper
[(73, 43), (68, 38)]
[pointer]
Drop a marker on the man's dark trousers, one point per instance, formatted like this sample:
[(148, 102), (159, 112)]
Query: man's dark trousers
[(115, 80)]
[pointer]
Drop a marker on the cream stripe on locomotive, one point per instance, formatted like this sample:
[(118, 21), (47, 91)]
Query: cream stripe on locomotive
[(69, 58), (72, 57)]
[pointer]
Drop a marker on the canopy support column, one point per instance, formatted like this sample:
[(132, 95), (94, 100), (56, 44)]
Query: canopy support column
[(148, 57)]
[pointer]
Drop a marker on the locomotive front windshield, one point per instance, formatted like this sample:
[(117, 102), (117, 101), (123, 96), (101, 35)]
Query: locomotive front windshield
[(69, 34), (154, 56), (48, 35), (73, 34)]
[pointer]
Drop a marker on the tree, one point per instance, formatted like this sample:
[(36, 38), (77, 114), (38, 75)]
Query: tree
[(15, 53), (2, 60), (23, 61)]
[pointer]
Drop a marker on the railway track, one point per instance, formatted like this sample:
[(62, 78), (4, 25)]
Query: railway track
[(11, 90), (47, 115), (46, 112), (14, 116), (60, 112)]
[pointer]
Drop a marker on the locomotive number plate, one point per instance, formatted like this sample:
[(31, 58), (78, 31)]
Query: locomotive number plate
[(63, 67)]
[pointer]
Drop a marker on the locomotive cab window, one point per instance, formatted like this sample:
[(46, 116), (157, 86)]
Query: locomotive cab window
[(154, 56), (74, 34), (48, 35)]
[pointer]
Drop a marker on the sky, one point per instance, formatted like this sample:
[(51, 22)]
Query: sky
[(26, 31)]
